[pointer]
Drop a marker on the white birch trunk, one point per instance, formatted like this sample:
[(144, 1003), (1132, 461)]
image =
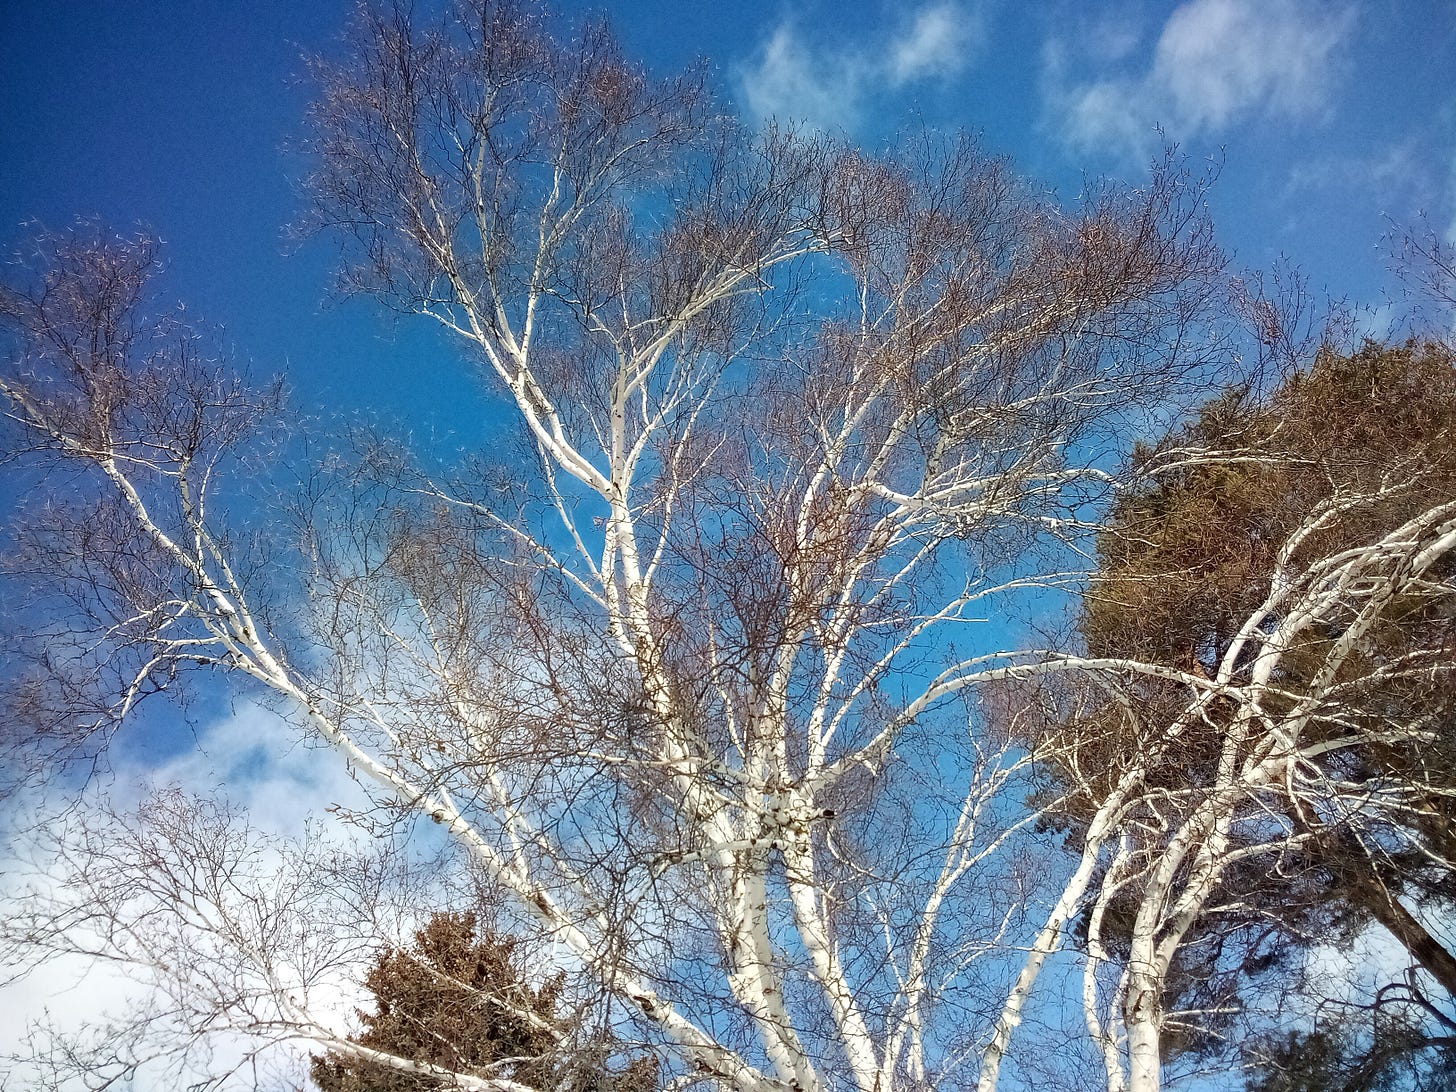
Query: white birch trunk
[(1144, 1022)]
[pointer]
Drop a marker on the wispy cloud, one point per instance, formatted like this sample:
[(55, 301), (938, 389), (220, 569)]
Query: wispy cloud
[(1396, 179), (1215, 64), (260, 763), (795, 77), (936, 45), (1219, 59), (787, 80), (1398, 166)]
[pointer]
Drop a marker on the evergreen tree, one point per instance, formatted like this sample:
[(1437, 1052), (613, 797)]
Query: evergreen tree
[(1340, 455), (459, 999)]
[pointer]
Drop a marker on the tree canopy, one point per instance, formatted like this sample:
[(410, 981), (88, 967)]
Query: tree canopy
[(1292, 547)]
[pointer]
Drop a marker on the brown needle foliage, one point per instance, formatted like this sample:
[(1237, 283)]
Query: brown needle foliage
[(459, 998)]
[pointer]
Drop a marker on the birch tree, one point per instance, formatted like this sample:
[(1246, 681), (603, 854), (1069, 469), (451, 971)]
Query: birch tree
[(689, 683)]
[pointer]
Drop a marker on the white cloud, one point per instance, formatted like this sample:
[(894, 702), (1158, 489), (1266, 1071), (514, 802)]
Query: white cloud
[(1216, 63), (791, 78), (1396, 168), (1221, 58), (1111, 36), (256, 761), (259, 762), (789, 81), (71, 989), (936, 45)]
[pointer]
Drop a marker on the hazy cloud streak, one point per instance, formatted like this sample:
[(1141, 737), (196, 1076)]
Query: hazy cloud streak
[(792, 78), (1216, 63)]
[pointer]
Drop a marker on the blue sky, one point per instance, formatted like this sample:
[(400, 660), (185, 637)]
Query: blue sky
[(1328, 118)]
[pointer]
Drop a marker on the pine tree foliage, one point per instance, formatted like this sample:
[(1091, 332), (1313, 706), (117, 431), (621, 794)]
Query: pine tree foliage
[(1390, 1053), (460, 999), (1334, 750)]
